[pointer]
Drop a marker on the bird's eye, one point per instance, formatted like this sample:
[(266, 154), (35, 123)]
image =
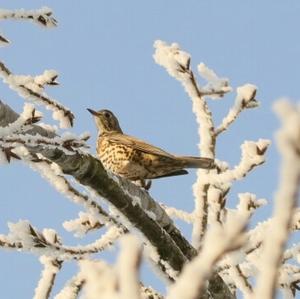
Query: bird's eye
[(106, 114)]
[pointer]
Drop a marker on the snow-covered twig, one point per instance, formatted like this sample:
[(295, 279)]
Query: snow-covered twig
[(128, 266), (162, 267), (288, 276), (257, 235), (249, 202), (3, 41), (8, 244), (245, 99), (295, 225), (240, 280), (150, 293), (289, 280), (46, 282), (216, 205), (292, 252), (47, 78), (253, 154), (179, 214), (23, 236), (285, 199), (30, 89), (27, 117), (85, 223), (216, 86), (37, 83), (69, 144), (42, 16), (72, 288)]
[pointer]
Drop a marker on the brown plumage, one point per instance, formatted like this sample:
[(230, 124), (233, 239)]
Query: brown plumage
[(135, 159)]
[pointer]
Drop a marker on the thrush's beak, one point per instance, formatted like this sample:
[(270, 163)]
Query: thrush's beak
[(92, 111)]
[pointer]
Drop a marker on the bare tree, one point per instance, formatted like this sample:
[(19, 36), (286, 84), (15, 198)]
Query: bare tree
[(225, 256)]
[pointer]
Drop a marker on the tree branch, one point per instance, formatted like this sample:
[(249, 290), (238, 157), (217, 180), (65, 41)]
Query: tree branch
[(46, 282), (42, 16)]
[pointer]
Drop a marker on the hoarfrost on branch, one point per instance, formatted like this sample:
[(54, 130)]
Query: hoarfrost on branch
[(223, 250)]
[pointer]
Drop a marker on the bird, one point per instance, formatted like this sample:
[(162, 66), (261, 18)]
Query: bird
[(134, 159)]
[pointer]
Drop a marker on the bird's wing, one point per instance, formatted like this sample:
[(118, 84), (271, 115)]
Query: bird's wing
[(138, 145)]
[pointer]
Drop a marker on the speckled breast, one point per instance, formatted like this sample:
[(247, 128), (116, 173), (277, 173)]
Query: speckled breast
[(114, 157)]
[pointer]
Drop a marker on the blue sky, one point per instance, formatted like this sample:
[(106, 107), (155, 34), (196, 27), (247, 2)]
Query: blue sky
[(103, 52)]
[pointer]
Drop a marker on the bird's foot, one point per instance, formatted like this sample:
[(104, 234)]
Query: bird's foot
[(145, 184)]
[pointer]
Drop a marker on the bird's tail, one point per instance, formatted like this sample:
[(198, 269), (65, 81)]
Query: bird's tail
[(197, 162)]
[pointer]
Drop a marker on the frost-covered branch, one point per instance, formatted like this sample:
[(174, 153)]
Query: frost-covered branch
[(217, 210), (179, 214), (216, 205), (31, 89), (150, 293), (253, 154), (256, 237), (293, 252), (128, 267), (239, 279), (248, 203), (23, 236), (85, 223), (288, 142), (245, 99), (296, 220), (49, 77), (22, 123), (288, 277), (3, 41), (46, 282), (67, 143), (216, 87), (42, 16), (72, 288), (51, 267)]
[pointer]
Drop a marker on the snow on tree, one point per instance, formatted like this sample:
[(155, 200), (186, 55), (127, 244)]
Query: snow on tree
[(225, 256)]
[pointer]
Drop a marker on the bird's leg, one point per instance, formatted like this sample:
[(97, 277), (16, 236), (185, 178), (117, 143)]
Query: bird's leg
[(147, 184), (143, 184)]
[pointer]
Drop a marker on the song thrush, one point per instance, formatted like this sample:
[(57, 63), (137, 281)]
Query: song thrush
[(135, 159)]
